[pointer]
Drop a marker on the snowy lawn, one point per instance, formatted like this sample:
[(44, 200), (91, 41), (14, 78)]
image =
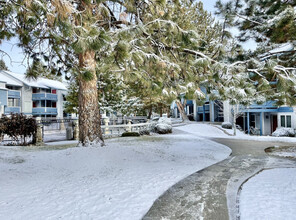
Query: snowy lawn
[(120, 181), (269, 195), (216, 131)]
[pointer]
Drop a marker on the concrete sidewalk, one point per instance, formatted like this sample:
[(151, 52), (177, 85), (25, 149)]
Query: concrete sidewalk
[(212, 192)]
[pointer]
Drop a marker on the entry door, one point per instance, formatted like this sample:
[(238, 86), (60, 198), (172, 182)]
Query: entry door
[(274, 123)]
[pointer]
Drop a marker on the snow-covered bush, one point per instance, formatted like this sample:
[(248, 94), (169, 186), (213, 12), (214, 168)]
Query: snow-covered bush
[(163, 126), (163, 120), (227, 125), (284, 132)]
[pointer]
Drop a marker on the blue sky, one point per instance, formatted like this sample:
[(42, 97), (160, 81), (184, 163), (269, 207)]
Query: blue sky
[(17, 63)]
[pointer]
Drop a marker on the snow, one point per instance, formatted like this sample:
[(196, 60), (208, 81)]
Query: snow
[(39, 83), (269, 195), (119, 181), (284, 152), (9, 81), (283, 48), (216, 131), (284, 132)]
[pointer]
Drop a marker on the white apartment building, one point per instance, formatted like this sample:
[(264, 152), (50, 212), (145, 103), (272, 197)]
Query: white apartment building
[(39, 98)]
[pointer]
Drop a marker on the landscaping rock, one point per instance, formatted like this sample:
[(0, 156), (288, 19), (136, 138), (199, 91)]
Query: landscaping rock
[(227, 125), (284, 132), (163, 128)]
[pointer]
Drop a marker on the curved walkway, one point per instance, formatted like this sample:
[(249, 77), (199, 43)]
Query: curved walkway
[(212, 192)]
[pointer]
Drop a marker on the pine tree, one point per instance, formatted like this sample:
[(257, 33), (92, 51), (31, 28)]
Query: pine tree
[(3, 65), (145, 41), (272, 25)]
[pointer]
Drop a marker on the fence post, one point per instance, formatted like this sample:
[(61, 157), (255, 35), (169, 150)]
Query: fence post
[(106, 120), (62, 124), (76, 130), (39, 135), (129, 126)]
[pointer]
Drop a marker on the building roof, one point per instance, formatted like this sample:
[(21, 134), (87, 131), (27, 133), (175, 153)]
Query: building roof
[(9, 80), (39, 83)]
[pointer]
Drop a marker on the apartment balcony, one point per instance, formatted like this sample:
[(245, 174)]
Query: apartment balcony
[(14, 94), (9, 110), (200, 109), (44, 111), (44, 96)]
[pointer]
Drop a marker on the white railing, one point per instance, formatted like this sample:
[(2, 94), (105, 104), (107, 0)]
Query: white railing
[(118, 130)]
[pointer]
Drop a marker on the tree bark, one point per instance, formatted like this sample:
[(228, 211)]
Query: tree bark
[(182, 110), (169, 111), (160, 109), (150, 112), (89, 113)]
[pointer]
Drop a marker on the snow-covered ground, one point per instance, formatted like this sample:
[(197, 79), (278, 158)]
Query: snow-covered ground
[(284, 152), (120, 181), (216, 131), (270, 195)]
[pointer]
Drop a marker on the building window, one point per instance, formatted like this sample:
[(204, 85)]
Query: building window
[(43, 103), (48, 104), (54, 91), (13, 102), (286, 121)]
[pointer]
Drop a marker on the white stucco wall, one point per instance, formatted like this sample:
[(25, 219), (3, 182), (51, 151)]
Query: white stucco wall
[(2, 85), (26, 96), (60, 104), (293, 118)]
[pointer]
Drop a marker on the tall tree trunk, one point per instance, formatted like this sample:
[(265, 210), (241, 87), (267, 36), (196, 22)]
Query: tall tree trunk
[(160, 109), (182, 110), (89, 113), (150, 112), (168, 111)]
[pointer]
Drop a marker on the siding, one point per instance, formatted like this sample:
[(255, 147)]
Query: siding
[(3, 97)]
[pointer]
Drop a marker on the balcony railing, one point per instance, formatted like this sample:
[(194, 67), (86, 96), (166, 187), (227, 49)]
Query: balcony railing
[(9, 110), (200, 109), (44, 96), (14, 94), (44, 111)]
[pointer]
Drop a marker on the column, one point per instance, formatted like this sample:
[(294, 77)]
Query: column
[(204, 112), (212, 111), (261, 123), (248, 122), (194, 110)]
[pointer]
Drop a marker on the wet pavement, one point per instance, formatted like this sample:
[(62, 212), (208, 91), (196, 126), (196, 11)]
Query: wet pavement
[(212, 193)]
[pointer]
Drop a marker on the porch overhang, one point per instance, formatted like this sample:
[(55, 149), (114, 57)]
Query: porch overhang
[(280, 109)]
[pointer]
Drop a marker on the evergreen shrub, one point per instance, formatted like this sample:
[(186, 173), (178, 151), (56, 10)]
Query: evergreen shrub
[(130, 134), (18, 127)]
